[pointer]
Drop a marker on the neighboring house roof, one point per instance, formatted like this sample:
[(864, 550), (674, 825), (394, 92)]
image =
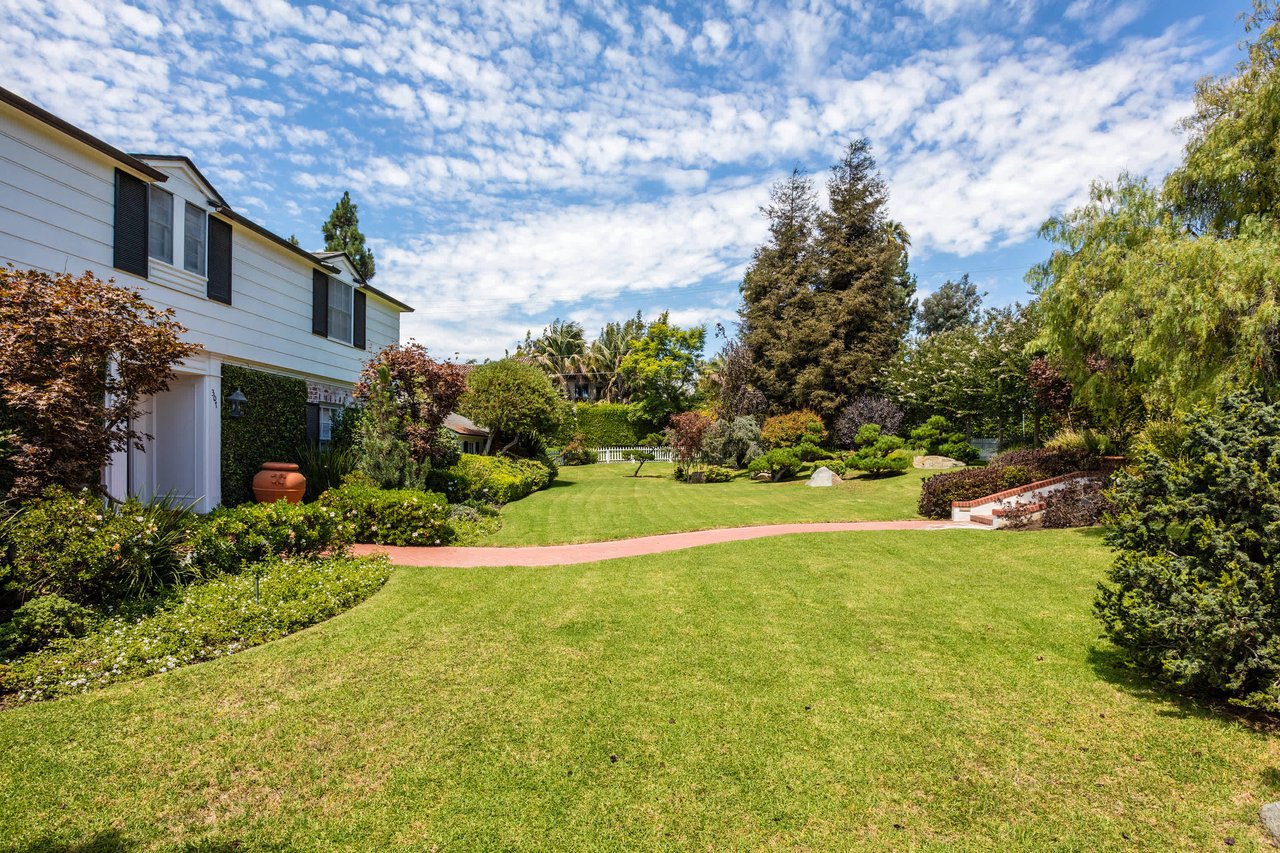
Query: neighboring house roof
[(464, 426), (23, 105), (137, 163)]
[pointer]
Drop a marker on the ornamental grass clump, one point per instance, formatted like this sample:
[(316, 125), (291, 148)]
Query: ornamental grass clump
[(1193, 596), (75, 545)]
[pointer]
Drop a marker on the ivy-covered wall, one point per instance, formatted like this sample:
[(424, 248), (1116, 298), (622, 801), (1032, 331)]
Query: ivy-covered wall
[(607, 424), (272, 429)]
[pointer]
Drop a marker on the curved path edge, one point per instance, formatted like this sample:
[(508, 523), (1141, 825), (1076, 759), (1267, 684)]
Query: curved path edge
[(590, 552)]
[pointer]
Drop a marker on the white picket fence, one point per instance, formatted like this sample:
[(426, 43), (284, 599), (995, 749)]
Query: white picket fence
[(610, 455)]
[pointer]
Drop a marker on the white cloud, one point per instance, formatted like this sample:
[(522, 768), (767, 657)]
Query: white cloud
[(517, 159)]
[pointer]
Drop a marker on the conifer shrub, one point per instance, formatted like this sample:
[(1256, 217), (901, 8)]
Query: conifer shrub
[(716, 474), (1193, 597), (779, 463)]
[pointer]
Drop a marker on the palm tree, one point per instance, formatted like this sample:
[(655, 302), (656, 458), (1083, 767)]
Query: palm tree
[(561, 351), (604, 359)]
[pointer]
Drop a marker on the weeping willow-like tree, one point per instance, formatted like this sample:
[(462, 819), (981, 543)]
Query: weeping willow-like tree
[(1171, 295)]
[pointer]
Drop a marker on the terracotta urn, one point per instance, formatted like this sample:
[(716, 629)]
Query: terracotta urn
[(279, 480)]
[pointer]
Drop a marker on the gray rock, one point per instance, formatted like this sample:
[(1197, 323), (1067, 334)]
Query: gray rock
[(932, 462), (762, 477), (824, 476), (1271, 820)]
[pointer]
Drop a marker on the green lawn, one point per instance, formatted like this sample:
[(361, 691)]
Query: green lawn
[(940, 690), (591, 503)]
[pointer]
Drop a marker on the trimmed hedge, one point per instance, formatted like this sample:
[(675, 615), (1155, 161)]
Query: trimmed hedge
[(271, 429), (212, 619), (608, 424), (389, 516)]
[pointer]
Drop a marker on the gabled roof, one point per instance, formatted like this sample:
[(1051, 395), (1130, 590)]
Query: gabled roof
[(23, 105), (464, 426), (361, 280), (214, 196), (136, 163)]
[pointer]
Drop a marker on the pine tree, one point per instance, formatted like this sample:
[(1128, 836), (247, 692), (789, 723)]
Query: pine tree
[(827, 300), (342, 234), (951, 306)]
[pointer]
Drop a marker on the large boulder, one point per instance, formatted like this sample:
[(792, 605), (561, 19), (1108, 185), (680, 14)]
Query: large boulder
[(824, 476), (932, 462)]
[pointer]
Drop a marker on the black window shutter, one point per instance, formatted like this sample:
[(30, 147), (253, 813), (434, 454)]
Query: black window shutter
[(319, 303), (358, 320), (131, 224), (219, 269), (313, 424)]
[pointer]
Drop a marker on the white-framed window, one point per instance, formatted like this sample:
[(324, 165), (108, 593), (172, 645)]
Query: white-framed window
[(326, 424), (160, 225), (194, 229), (341, 310)]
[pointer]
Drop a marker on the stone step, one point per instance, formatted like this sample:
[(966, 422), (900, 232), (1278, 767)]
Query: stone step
[(988, 520)]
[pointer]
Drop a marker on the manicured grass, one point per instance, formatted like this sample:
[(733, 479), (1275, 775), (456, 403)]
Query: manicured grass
[(592, 503), (927, 689)]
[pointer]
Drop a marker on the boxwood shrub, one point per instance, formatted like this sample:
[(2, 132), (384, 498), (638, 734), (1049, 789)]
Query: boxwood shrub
[(208, 620), (230, 537), (716, 474), (493, 479), (389, 516)]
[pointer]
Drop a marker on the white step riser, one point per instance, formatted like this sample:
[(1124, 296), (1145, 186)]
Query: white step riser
[(1032, 496)]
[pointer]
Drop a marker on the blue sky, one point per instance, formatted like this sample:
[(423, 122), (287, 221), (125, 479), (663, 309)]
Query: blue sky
[(514, 162)]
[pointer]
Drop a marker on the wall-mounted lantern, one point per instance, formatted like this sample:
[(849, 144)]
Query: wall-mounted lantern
[(236, 400)]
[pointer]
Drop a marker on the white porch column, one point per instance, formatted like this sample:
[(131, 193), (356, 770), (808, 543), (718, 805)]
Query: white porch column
[(209, 438)]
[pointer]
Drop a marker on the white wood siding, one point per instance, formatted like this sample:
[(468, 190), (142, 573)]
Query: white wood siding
[(57, 214)]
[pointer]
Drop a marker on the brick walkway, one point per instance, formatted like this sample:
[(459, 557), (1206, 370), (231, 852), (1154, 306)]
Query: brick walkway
[(589, 552)]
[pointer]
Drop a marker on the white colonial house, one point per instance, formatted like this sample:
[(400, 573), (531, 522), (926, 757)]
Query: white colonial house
[(70, 202)]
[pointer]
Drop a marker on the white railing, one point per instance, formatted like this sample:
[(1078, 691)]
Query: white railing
[(609, 455)]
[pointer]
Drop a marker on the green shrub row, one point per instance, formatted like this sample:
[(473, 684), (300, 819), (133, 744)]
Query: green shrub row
[(211, 619), (70, 545)]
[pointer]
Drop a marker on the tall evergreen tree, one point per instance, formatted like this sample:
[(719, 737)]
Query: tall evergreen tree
[(951, 306), (778, 286), (827, 299), (342, 234)]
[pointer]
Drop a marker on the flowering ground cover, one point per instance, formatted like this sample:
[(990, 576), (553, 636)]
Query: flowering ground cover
[(923, 689)]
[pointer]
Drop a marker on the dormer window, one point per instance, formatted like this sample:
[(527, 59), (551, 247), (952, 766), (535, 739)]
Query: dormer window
[(160, 225), (193, 238)]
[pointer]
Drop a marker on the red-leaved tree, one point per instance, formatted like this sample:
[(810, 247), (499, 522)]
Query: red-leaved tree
[(685, 433), (78, 356), (424, 392)]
